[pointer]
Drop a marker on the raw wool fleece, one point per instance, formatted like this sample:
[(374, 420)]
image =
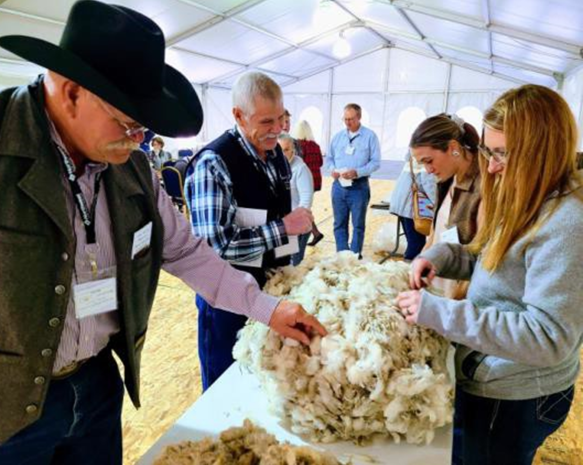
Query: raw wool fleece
[(246, 445), (373, 373), (384, 239)]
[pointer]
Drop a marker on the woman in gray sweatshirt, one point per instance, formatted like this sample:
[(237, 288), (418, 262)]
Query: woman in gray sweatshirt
[(519, 331)]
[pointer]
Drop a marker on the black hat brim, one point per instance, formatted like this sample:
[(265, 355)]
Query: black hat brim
[(175, 112)]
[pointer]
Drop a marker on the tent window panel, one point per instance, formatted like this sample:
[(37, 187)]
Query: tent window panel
[(471, 115), (314, 117), (408, 121)]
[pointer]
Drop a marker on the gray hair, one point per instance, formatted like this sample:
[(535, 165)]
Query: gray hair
[(251, 85), (303, 131), (286, 136)]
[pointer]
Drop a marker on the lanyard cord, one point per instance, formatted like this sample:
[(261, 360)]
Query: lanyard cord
[(87, 213), (351, 139)]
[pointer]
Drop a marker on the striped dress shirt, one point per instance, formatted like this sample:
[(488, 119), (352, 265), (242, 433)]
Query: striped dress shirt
[(184, 256)]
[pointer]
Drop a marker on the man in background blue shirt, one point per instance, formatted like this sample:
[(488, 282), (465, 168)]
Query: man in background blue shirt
[(353, 156)]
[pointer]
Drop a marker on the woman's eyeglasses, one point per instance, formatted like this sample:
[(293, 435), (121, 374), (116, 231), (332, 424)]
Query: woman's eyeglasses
[(488, 154)]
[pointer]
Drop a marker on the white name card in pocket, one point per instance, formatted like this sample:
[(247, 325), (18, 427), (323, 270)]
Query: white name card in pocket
[(142, 239), (292, 247), (248, 218), (450, 236)]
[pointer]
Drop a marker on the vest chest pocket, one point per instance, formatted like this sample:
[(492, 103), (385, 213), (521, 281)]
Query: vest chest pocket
[(10, 358), (11, 238)]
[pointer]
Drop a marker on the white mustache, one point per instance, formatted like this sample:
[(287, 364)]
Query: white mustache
[(268, 136), (122, 145)]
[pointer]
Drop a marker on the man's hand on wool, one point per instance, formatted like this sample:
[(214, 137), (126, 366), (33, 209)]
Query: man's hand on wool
[(291, 320)]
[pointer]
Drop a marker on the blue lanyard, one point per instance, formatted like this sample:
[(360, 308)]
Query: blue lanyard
[(351, 139)]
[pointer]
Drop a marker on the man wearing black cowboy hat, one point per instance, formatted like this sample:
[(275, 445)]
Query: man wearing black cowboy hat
[(85, 230)]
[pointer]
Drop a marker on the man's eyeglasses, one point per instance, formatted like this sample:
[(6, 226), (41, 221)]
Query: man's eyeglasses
[(488, 154), (130, 132)]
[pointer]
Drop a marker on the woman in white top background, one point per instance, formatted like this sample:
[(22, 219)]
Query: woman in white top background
[(302, 187)]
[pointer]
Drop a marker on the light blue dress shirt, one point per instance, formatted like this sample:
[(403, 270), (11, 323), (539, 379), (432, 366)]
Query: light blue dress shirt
[(360, 151)]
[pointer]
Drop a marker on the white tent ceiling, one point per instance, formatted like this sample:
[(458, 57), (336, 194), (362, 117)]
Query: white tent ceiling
[(212, 41)]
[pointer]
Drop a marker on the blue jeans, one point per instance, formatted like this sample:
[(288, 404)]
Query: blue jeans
[(80, 422), (347, 201), (303, 242), (415, 241), (505, 432), (217, 334)]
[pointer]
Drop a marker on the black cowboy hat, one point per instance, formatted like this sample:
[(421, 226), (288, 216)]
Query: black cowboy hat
[(118, 54)]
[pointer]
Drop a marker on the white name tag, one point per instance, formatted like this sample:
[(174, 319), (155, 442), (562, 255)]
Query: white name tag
[(450, 236), (142, 239), (292, 247), (349, 150), (95, 297)]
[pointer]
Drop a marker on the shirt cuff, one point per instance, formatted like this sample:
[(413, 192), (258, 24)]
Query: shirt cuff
[(264, 307), (436, 256), (275, 235), (432, 312)]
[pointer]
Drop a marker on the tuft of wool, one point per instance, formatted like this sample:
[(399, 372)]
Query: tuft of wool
[(245, 445), (373, 373), (384, 239)]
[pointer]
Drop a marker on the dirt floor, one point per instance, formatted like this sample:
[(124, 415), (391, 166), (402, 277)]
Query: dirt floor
[(170, 368)]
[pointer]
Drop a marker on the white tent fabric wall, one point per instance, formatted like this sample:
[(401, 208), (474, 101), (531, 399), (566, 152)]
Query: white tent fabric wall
[(389, 83), (213, 41), (572, 91)]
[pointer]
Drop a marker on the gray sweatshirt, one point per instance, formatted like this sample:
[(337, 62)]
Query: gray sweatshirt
[(521, 327)]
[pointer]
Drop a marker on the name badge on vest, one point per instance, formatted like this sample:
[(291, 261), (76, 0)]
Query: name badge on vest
[(95, 297), (96, 290), (349, 150)]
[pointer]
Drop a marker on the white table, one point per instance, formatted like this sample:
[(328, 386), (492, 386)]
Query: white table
[(237, 395)]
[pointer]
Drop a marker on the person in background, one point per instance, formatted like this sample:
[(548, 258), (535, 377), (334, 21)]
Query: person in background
[(85, 230), (302, 188), (286, 127), (401, 203), (286, 124), (518, 333), (158, 156), (353, 156), (312, 156), (448, 148), (239, 198)]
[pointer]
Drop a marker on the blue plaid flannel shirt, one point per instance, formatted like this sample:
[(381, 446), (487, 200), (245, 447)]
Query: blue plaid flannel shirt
[(209, 195)]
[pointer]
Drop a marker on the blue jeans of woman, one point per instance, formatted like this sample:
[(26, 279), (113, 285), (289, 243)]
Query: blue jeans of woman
[(347, 202), (505, 432), (80, 422)]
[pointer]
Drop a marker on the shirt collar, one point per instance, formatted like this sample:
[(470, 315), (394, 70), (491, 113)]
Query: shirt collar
[(90, 167)]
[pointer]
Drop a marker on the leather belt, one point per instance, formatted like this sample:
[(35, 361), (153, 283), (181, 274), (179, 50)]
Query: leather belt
[(68, 370)]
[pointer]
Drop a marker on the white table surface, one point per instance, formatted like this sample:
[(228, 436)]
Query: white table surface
[(237, 395)]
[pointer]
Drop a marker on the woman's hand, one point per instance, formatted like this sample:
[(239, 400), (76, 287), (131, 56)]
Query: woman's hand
[(408, 303), (422, 273)]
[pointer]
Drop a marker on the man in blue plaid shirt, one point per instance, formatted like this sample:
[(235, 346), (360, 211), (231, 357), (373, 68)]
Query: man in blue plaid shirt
[(243, 172)]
